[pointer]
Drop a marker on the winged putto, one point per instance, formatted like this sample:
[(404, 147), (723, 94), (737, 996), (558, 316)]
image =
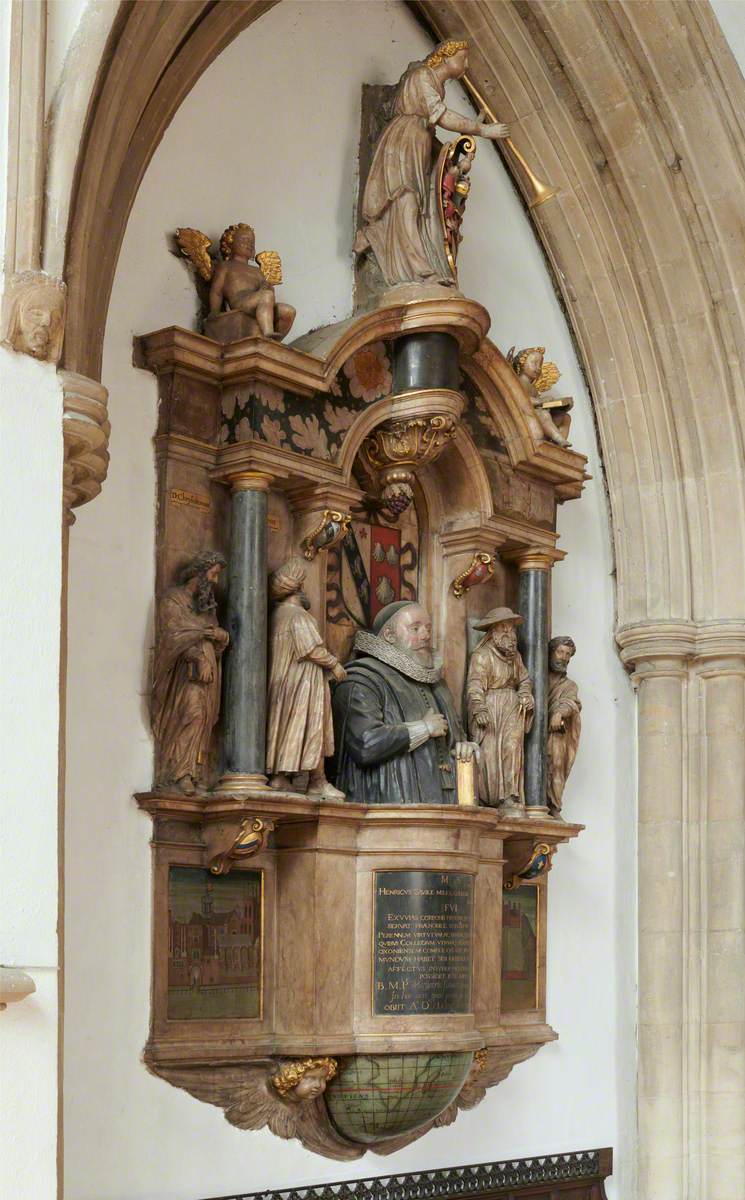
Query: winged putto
[(240, 282), (538, 377)]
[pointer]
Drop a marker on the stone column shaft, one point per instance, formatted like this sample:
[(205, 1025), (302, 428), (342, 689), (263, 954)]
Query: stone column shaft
[(691, 717), (533, 601), (246, 657)]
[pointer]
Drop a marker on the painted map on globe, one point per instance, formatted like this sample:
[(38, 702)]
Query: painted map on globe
[(383, 1095)]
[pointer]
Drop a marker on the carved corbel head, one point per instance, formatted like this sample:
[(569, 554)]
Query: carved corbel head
[(37, 317), (305, 1079)]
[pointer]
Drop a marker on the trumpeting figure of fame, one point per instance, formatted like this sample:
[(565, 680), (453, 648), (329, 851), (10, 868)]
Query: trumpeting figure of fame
[(397, 729)]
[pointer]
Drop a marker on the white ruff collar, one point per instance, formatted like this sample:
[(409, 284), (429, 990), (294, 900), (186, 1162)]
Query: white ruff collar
[(400, 660)]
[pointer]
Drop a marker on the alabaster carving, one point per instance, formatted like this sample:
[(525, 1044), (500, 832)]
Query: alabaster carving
[(186, 676), (37, 319), (284, 1095), (400, 224), (397, 726), (300, 733), (396, 449), (564, 720), (500, 709), (241, 281), (306, 1079), (537, 377)]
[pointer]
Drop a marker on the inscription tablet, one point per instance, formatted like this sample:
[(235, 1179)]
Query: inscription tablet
[(422, 942)]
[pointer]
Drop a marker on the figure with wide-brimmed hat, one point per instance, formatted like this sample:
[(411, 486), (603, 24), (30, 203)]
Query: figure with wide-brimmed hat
[(500, 709)]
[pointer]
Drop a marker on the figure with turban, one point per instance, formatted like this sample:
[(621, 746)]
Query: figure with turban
[(300, 732), (398, 732)]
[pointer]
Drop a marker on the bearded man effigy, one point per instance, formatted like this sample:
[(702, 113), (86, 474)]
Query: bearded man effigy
[(398, 732)]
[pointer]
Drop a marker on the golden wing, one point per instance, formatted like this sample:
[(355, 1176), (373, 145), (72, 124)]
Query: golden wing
[(194, 245), (547, 378), (271, 266)]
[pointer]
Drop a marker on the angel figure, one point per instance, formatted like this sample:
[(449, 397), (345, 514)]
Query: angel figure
[(284, 1095), (538, 377), (241, 280)]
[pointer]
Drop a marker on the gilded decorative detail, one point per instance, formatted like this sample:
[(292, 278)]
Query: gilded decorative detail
[(290, 1077), (249, 840), (538, 863), (480, 568), (332, 528)]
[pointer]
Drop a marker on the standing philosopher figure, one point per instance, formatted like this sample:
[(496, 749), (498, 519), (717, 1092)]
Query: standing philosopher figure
[(500, 709), (398, 732), (300, 733), (564, 720), (186, 676), (397, 222)]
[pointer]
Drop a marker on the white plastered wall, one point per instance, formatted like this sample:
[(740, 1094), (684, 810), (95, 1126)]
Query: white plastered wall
[(270, 135)]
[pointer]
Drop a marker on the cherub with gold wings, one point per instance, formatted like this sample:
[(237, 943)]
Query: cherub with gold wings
[(538, 377), (286, 1095), (241, 280)]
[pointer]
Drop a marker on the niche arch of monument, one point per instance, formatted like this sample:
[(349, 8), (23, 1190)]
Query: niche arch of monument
[(629, 239)]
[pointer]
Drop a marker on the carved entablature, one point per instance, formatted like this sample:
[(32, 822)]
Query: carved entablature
[(373, 463)]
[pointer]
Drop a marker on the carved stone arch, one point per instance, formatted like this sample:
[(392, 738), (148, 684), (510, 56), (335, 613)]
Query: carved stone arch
[(460, 477), (154, 55), (635, 112)]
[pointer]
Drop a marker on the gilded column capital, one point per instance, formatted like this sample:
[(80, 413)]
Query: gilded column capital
[(85, 430), (250, 481), (534, 558)]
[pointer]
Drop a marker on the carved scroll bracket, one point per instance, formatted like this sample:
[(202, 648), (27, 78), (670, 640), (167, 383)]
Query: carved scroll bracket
[(227, 845), (480, 568), (526, 860), (86, 430)]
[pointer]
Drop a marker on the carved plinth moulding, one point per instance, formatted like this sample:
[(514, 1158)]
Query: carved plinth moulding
[(86, 430)]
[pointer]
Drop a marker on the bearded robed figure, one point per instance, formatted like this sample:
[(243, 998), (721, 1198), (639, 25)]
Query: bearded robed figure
[(397, 729)]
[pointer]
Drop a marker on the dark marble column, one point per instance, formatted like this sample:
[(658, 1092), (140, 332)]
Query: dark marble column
[(244, 706), (425, 360), (533, 600)]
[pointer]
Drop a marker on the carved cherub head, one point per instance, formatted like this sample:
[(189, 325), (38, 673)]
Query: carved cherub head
[(238, 241), (38, 318), (529, 362), (304, 1080)]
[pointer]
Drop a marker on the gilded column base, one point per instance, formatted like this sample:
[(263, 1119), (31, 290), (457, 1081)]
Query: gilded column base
[(242, 785)]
